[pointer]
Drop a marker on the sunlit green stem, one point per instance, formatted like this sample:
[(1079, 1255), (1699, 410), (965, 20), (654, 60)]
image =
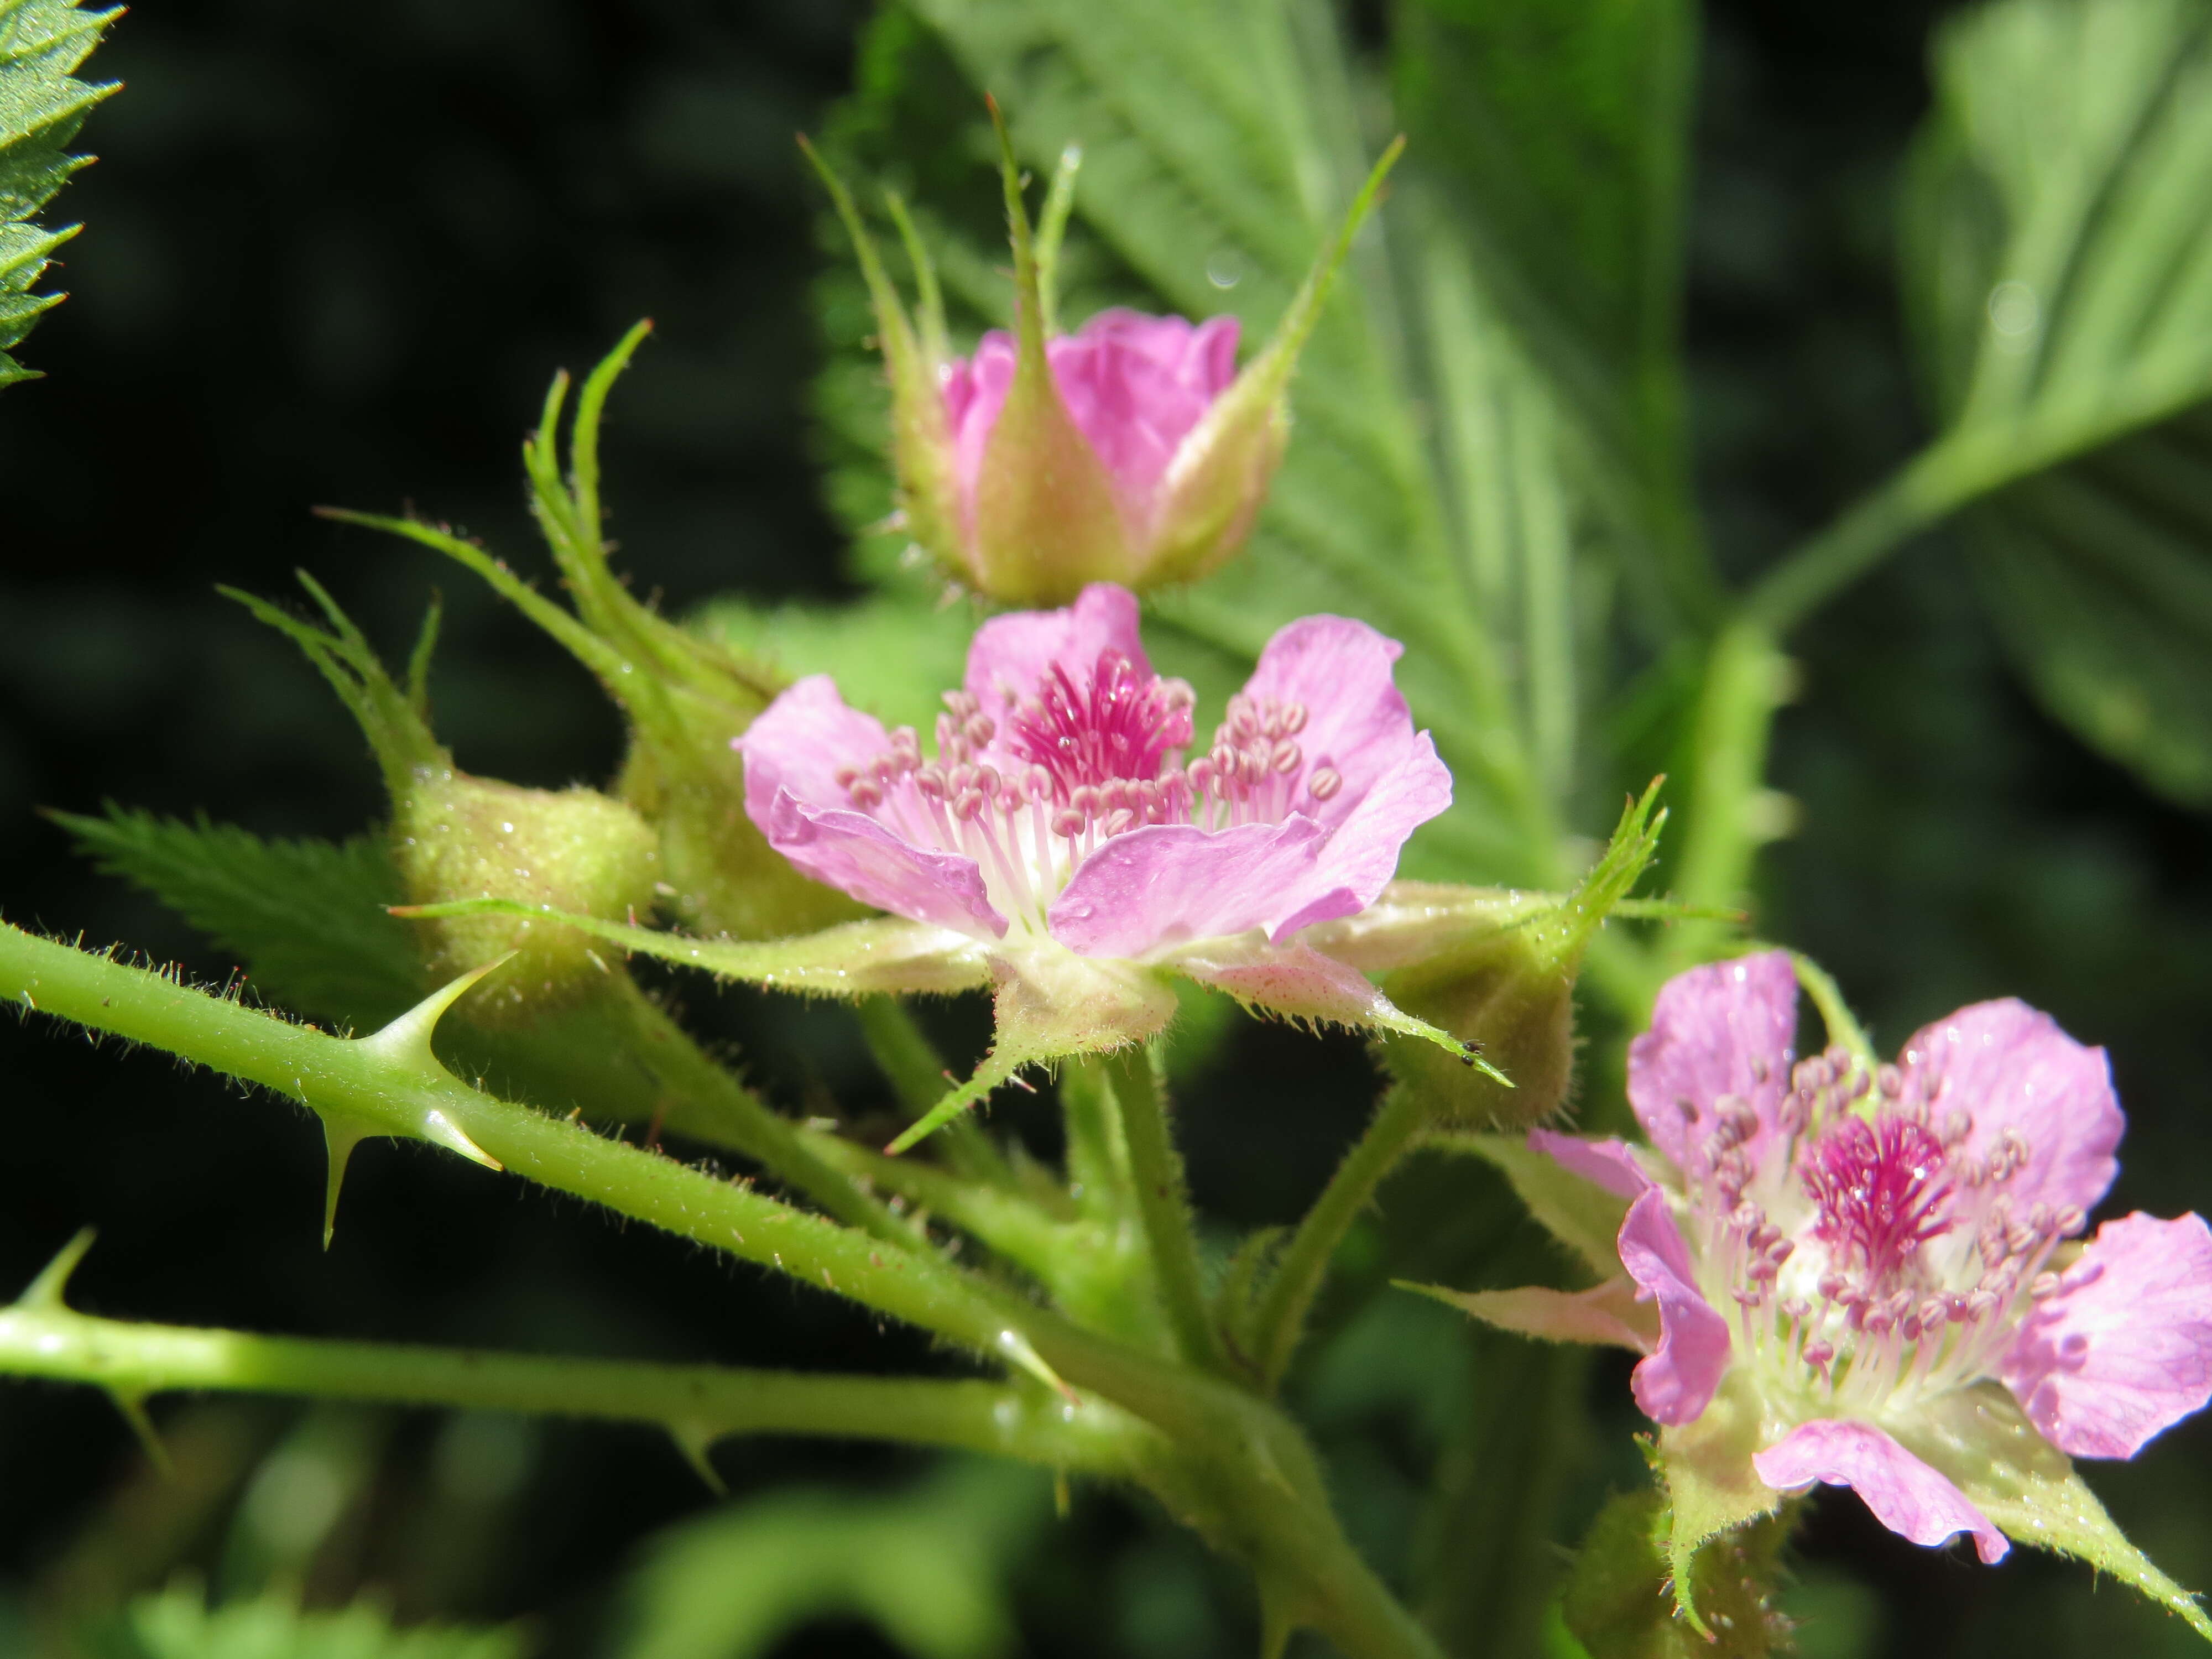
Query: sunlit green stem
[(1164, 1202), (697, 1403), (1298, 1278)]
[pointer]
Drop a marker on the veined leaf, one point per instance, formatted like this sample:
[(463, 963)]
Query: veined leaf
[(2058, 259), (307, 917), (42, 104), (1556, 138)]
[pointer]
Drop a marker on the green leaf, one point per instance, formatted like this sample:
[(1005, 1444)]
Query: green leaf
[(1981, 1440), (178, 1624), (926, 1566), (2058, 264), (1556, 140), (1581, 1214), (892, 654), (307, 917), (42, 104)]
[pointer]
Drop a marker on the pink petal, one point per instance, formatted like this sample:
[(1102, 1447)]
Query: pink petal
[(1608, 1163), (1010, 655), (1676, 1383), (792, 752), (1912, 1500), (2123, 1350), (975, 393), (1724, 1029), (1339, 671), (2011, 1068), (1169, 884)]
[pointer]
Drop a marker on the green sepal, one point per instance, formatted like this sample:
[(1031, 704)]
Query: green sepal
[(1615, 1603), (1296, 982), (1711, 1487), (1508, 988), (1578, 1212), (1607, 1313), (1979, 1440), (1049, 1003), (882, 956), (1047, 522), (1219, 476), (922, 433)]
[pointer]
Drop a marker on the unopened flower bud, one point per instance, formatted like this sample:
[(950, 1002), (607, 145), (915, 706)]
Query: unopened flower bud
[(1131, 451), (454, 836)]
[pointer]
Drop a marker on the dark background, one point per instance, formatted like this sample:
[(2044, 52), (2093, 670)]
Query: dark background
[(333, 255)]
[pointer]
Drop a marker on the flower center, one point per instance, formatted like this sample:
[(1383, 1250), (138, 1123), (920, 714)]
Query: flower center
[(1030, 794), (1122, 725), (1895, 1259), (1882, 1188)]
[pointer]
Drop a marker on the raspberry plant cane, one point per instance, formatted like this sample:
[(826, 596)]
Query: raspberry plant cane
[(1873, 1275)]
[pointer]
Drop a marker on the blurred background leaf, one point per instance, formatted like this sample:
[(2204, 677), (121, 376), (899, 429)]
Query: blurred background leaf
[(2058, 255), (926, 1566), (179, 1624)]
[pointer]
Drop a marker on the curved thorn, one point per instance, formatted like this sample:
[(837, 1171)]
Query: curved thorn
[(340, 1136), (133, 1407), (695, 1442), (408, 1037), (46, 1291)]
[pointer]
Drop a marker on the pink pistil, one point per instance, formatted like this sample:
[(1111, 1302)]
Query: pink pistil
[(1882, 1190)]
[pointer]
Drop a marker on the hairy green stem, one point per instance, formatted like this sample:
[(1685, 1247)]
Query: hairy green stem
[(1163, 1202), (698, 1404), (383, 1089), (1289, 1297), (1240, 1471), (705, 1098)]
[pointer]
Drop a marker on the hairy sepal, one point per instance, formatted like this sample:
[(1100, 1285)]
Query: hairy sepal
[(1509, 988), (882, 956), (1711, 1487), (1576, 1212), (1983, 1442)]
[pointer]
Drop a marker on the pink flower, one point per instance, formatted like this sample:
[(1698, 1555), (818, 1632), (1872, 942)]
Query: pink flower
[(1135, 387), (1069, 832), (1886, 1262)]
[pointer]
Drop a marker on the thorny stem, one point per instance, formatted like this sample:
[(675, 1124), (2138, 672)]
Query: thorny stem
[(1163, 1203), (1297, 1278), (697, 1404), (1239, 1470)]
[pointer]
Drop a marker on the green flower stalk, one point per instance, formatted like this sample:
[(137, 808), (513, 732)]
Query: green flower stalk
[(1132, 451)]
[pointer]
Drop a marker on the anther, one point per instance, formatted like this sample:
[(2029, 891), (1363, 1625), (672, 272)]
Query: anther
[(1324, 783), (2043, 1287), (2069, 1221), (1890, 1081), (1294, 719), (866, 794), (1120, 822), (1286, 757), (1818, 1351), (1067, 822)]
